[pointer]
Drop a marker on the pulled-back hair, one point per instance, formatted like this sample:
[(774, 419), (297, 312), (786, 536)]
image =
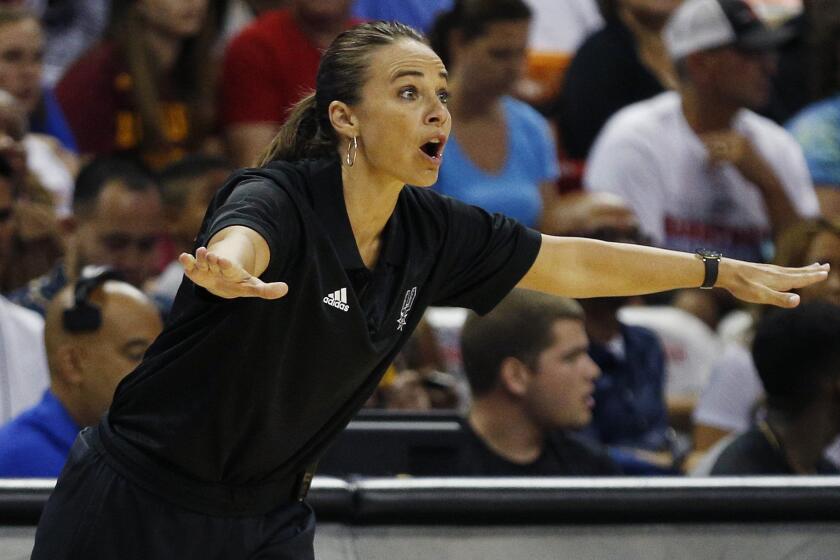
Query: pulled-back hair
[(519, 327), (308, 133), (471, 18)]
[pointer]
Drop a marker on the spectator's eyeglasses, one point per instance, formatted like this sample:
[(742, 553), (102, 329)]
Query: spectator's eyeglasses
[(121, 242)]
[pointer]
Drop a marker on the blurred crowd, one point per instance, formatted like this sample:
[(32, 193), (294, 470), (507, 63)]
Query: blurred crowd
[(618, 120)]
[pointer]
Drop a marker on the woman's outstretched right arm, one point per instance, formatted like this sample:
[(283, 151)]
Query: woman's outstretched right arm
[(230, 266)]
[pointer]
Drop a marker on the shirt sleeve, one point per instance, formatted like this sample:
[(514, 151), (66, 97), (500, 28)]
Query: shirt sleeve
[(483, 257), (258, 204)]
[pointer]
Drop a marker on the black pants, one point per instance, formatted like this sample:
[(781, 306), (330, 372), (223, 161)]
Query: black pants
[(96, 514)]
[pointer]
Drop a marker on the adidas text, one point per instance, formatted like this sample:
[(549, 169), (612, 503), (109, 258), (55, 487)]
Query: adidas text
[(337, 299)]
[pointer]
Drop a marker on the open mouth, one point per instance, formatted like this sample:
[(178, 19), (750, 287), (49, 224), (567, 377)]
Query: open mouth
[(434, 148)]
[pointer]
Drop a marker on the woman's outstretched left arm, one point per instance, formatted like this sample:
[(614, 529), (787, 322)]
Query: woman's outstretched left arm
[(582, 268)]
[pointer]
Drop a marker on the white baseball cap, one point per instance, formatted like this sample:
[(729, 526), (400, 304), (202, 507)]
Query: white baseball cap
[(699, 25)]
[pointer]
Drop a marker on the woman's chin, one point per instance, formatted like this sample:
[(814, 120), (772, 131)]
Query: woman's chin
[(424, 179)]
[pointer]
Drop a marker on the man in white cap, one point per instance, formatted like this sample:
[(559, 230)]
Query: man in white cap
[(696, 165)]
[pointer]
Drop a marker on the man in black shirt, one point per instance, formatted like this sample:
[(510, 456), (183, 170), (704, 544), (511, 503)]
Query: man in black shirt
[(797, 355), (308, 275), (531, 379)]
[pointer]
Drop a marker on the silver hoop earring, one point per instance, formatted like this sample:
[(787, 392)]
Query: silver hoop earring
[(352, 148)]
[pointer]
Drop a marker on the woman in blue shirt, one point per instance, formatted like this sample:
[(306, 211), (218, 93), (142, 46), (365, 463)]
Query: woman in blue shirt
[(502, 156)]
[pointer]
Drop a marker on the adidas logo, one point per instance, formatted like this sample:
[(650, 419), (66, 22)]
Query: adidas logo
[(337, 299)]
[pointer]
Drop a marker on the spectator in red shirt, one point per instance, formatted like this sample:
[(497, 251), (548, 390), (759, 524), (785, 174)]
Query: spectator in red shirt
[(270, 65), (147, 88)]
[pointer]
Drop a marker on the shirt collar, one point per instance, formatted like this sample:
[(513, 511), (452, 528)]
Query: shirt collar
[(328, 201)]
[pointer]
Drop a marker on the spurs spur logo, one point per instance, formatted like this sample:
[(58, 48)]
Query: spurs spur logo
[(406, 307)]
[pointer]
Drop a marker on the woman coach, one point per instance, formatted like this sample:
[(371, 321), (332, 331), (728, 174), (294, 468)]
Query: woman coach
[(309, 274)]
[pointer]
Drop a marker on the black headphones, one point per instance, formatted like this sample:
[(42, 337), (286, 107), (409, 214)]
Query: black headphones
[(84, 316)]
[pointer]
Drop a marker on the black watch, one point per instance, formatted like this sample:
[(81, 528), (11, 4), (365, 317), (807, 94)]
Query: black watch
[(711, 260)]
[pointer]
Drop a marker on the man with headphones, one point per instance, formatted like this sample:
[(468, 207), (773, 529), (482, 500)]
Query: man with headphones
[(96, 332)]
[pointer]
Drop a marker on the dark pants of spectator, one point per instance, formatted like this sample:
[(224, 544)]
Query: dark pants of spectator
[(96, 514)]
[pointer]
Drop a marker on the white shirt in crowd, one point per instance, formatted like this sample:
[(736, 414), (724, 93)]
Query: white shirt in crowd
[(691, 347), (23, 362), (648, 155)]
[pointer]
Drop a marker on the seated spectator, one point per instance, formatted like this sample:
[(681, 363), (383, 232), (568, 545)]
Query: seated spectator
[(501, 156), (532, 382), (630, 409), (187, 187), (147, 88), (117, 222), (797, 355), (33, 243), (622, 63), (732, 400), (87, 361), (22, 45), (33, 120), (23, 364), (71, 27), (698, 168), (269, 66)]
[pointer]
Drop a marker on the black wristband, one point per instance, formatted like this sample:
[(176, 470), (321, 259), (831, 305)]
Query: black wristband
[(711, 260)]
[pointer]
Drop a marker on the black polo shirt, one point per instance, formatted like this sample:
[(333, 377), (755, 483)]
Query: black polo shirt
[(236, 396), (563, 455)]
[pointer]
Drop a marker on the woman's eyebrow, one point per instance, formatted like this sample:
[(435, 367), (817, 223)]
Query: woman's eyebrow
[(403, 73)]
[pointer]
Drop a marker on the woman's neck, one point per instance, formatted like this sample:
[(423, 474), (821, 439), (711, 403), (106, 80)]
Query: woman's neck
[(370, 200)]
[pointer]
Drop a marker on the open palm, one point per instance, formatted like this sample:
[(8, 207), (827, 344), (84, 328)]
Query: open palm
[(768, 284), (223, 278)]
